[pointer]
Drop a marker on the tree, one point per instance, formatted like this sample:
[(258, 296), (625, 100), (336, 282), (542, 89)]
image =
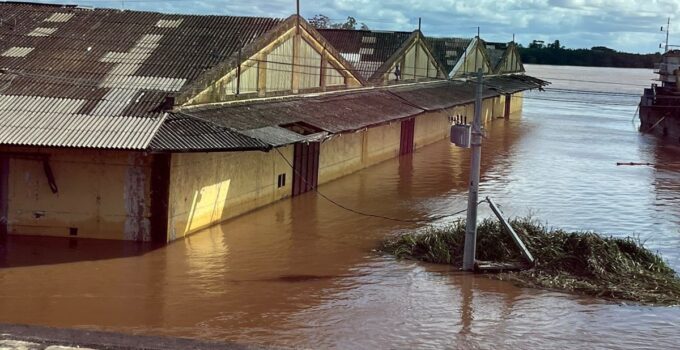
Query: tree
[(536, 44), (320, 22), (556, 45), (324, 22)]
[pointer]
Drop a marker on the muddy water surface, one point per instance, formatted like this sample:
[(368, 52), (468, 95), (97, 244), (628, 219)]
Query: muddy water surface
[(303, 272)]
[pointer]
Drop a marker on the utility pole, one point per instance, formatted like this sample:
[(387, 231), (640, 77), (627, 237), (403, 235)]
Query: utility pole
[(668, 30), (475, 165)]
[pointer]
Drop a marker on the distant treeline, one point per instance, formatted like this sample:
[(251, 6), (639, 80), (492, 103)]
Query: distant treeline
[(598, 56)]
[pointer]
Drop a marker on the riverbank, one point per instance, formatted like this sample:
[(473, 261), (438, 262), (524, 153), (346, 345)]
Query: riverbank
[(577, 262)]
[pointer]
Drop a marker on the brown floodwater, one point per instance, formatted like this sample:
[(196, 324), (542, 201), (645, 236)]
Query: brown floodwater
[(304, 273)]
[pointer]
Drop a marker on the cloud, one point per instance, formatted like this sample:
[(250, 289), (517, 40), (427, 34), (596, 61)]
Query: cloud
[(620, 24)]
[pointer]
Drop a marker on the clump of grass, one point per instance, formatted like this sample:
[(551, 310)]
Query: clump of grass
[(580, 262)]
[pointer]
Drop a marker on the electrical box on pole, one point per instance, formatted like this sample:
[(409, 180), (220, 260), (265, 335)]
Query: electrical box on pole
[(461, 135)]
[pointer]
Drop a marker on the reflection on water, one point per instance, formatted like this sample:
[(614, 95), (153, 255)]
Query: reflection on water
[(303, 272)]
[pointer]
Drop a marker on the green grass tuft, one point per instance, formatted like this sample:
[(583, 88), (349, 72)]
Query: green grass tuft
[(580, 262)]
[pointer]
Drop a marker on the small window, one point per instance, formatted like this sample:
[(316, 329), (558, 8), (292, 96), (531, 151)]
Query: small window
[(281, 180)]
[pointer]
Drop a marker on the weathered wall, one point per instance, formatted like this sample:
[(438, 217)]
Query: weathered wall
[(382, 143), (341, 155), (517, 103), (101, 194), (347, 153), (431, 127), (208, 188)]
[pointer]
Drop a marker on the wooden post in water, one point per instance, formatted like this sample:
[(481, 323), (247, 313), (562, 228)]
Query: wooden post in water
[(473, 194)]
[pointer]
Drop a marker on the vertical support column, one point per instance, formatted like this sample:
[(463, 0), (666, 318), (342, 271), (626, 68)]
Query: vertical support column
[(296, 62), (160, 196), (322, 76), (508, 101), (4, 194), (473, 195), (261, 75)]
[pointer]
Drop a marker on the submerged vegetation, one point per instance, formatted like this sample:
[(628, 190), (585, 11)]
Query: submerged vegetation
[(580, 262)]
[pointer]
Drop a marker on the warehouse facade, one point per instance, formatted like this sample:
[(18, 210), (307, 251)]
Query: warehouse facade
[(148, 127)]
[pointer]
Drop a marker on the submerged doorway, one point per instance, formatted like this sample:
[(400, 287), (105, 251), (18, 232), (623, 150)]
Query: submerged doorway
[(305, 167), (408, 128), (4, 189)]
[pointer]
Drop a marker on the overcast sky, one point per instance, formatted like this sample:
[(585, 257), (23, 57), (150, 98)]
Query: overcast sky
[(625, 25)]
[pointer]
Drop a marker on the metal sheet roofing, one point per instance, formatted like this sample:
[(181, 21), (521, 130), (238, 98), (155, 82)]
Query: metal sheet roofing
[(275, 135), (45, 121), (352, 110), (495, 52), (366, 50), (332, 113), (184, 133), (107, 64), (448, 50), (510, 84)]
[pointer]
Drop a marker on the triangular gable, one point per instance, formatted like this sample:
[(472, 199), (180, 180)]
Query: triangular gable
[(415, 60), (474, 58), (290, 58), (511, 61)]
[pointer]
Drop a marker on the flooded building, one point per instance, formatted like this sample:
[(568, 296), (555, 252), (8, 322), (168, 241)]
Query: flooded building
[(147, 126), (660, 104)]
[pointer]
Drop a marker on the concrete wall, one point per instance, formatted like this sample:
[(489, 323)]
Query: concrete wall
[(208, 188), (101, 194), (348, 153)]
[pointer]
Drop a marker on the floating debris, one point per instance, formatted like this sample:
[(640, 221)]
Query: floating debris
[(578, 262)]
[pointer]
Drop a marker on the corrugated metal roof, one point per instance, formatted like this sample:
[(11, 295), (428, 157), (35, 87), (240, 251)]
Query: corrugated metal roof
[(333, 113), (105, 63), (440, 95), (185, 133), (448, 50), (44, 121), (512, 83), (366, 50), (495, 52), (275, 135)]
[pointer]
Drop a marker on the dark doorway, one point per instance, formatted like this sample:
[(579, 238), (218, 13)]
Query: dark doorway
[(160, 193), (508, 100), (305, 167), (4, 195), (408, 128)]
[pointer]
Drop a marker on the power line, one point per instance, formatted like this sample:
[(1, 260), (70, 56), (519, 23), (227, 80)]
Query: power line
[(358, 212)]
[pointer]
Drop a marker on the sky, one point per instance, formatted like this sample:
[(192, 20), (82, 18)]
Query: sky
[(624, 25)]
